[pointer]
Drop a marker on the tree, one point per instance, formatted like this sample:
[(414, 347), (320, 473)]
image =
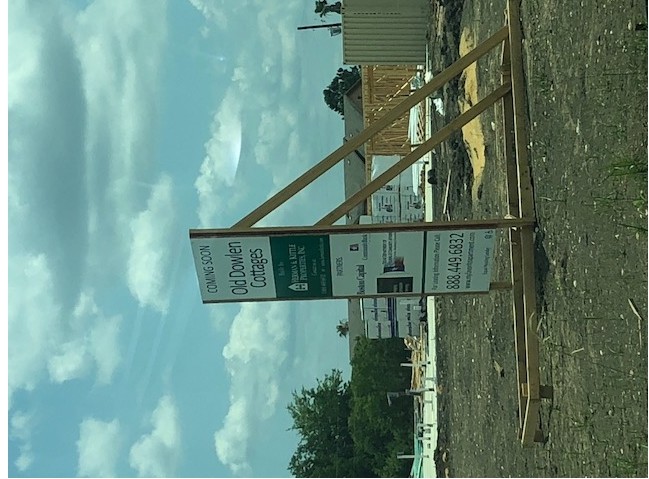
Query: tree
[(381, 431), (342, 328), (347, 429), (323, 8), (320, 417), (335, 92)]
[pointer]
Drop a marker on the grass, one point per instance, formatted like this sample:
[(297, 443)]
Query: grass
[(631, 170), (626, 467), (642, 229), (634, 167)]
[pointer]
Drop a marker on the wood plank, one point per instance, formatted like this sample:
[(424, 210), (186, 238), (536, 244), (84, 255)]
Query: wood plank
[(446, 193), (509, 147), (332, 159), (500, 285), (518, 311), (531, 316), (530, 426), (520, 110), (490, 223), (526, 208)]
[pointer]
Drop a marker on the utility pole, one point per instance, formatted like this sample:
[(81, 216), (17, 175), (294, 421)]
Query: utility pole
[(313, 27)]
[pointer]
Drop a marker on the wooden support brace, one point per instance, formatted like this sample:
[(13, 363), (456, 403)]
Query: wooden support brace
[(489, 223), (432, 142), (500, 286), (354, 142), (526, 235), (515, 254), (531, 421)]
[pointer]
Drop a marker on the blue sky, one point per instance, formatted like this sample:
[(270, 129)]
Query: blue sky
[(129, 123)]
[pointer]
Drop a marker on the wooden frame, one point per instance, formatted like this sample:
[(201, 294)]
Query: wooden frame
[(384, 86), (520, 200)]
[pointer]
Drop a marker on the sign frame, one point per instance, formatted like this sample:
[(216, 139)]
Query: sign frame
[(332, 230), (520, 199)]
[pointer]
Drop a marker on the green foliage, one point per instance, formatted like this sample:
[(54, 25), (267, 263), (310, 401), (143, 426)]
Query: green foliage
[(335, 92), (342, 328), (631, 171), (323, 8), (379, 430), (320, 417), (632, 167), (348, 429)]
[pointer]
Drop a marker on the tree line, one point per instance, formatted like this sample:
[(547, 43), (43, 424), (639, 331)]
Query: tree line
[(347, 428)]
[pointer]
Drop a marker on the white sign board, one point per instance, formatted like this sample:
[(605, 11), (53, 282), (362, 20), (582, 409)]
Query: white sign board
[(342, 265)]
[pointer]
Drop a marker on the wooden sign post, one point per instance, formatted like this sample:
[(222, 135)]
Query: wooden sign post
[(303, 269)]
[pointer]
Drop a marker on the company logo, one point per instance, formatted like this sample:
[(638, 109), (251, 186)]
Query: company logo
[(299, 286)]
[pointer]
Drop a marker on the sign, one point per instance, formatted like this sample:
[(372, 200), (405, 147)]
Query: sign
[(391, 317), (459, 261), (342, 265)]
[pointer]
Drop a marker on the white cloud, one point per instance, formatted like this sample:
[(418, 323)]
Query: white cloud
[(156, 454), (211, 11), (69, 362), (20, 429), (85, 306), (262, 97), (99, 347), (221, 317), (104, 347), (25, 460), (220, 165), (120, 46), (98, 448), (41, 339), (150, 254), (93, 341), (277, 32), (231, 441), (278, 131), (254, 354), (23, 63), (74, 182), (34, 321), (106, 60)]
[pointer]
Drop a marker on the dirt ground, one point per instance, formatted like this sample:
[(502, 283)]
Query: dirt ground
[(586, 73)]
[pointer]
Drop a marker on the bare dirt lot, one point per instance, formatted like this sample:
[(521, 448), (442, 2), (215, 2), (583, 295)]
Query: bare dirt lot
[(586, 74)]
